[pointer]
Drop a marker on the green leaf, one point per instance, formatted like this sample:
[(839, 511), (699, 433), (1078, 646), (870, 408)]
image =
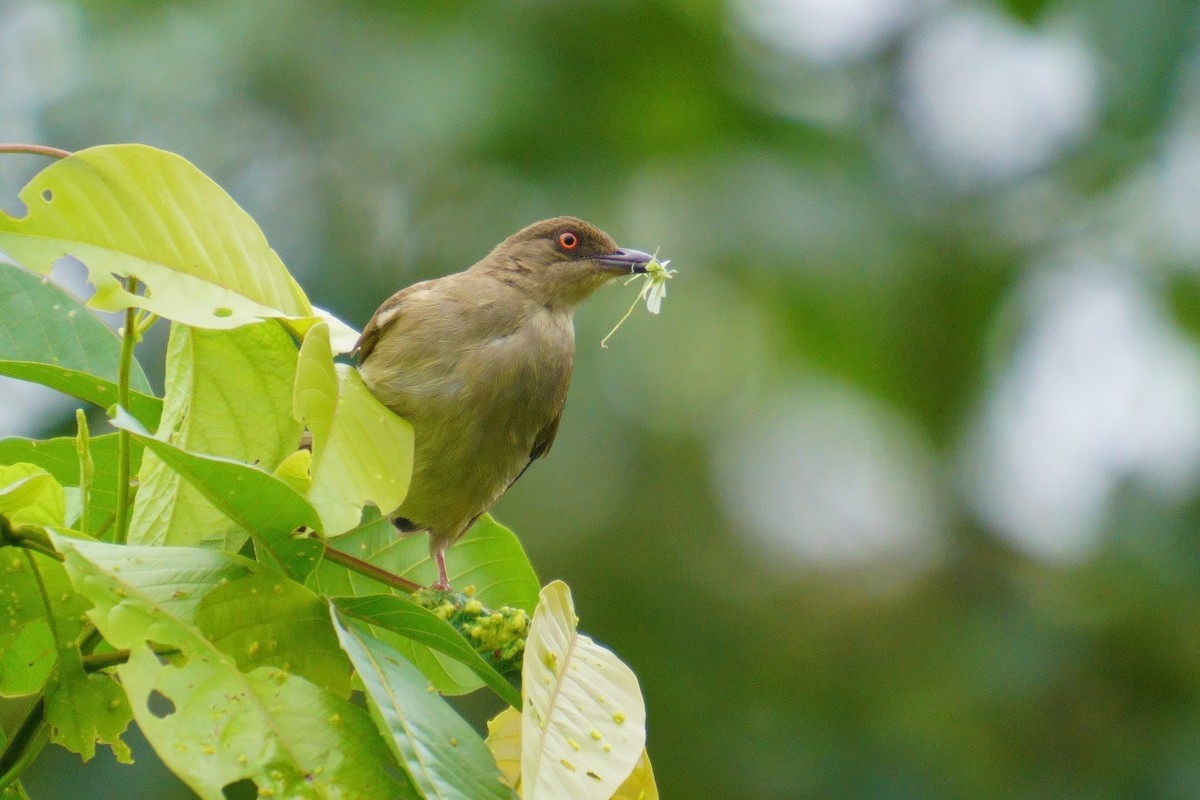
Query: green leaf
[(30, 496), (441, 753), (583, 723), (26, 650), (411, 621), (80, 709), (264, 620), (42, 323), (209, 722), (59, 457), (27, 646), (489, 557), (264, 506), (84, 709), (84, 386), (229, 394), (362, 452), (132, 210)]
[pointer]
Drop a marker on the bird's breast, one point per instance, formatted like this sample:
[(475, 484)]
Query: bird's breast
[(477, 412), (519, 380)]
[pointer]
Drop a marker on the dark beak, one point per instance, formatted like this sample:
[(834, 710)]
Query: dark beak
[(627, 261)]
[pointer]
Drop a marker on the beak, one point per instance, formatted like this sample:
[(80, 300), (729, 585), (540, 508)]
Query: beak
[(627, 261)]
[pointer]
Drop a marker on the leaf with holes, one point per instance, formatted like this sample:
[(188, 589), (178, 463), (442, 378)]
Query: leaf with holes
[(135, 211), (504, 740), (48, 337), (278, 730), (583, 721), (83, 710)]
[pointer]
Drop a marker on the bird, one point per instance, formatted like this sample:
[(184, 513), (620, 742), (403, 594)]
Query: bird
[(479, 363)]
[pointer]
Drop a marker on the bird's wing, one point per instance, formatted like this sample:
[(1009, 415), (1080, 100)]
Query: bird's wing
[(541, 445), (388, 313), (545, 438)]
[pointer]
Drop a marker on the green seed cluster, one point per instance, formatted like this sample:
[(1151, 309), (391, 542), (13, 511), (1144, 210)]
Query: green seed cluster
[(497, 635)]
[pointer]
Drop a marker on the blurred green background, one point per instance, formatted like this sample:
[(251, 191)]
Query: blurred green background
[(898, 496)]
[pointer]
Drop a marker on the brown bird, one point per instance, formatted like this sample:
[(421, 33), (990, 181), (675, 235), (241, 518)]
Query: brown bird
[(479, 362)]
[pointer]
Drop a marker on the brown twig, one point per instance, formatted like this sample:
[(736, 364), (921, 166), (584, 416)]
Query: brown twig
[(371, 571), (34, 149)]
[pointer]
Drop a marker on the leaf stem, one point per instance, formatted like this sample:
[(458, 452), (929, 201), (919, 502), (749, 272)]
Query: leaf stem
[(25, 743), (371, 571), (94, 662), (27, 537), (145, 322), (34, 149), (108, 523), (129, 336)]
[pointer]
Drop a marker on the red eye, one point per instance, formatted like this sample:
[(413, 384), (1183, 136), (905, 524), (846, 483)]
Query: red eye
[(568, 240)]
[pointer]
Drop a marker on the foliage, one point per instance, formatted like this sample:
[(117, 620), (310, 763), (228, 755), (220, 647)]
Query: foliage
[(214, 610), (845, 290)]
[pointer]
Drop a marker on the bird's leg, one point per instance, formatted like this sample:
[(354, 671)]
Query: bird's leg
[(443, 581)]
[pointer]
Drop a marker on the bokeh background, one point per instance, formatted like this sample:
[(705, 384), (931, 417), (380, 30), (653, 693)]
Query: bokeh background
[(897, 498)]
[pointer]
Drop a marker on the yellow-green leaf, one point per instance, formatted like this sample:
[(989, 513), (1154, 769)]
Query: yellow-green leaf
[(228, 394), (640, 784), (135, 211), (289, 736), (504, 740), (60, 458), (362, 452), (583, 723), (30, 495)]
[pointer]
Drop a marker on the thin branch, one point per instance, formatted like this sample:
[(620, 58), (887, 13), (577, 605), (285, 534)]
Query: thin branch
[(371, 571), (95, 662), (34, 149)]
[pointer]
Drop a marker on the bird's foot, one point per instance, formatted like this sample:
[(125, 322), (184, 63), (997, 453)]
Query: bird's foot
[(442, 584)]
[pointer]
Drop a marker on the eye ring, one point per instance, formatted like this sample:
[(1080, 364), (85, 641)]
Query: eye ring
[(567, 240)]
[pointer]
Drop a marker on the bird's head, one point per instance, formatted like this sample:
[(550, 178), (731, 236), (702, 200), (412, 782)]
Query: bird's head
[(561, 261)]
